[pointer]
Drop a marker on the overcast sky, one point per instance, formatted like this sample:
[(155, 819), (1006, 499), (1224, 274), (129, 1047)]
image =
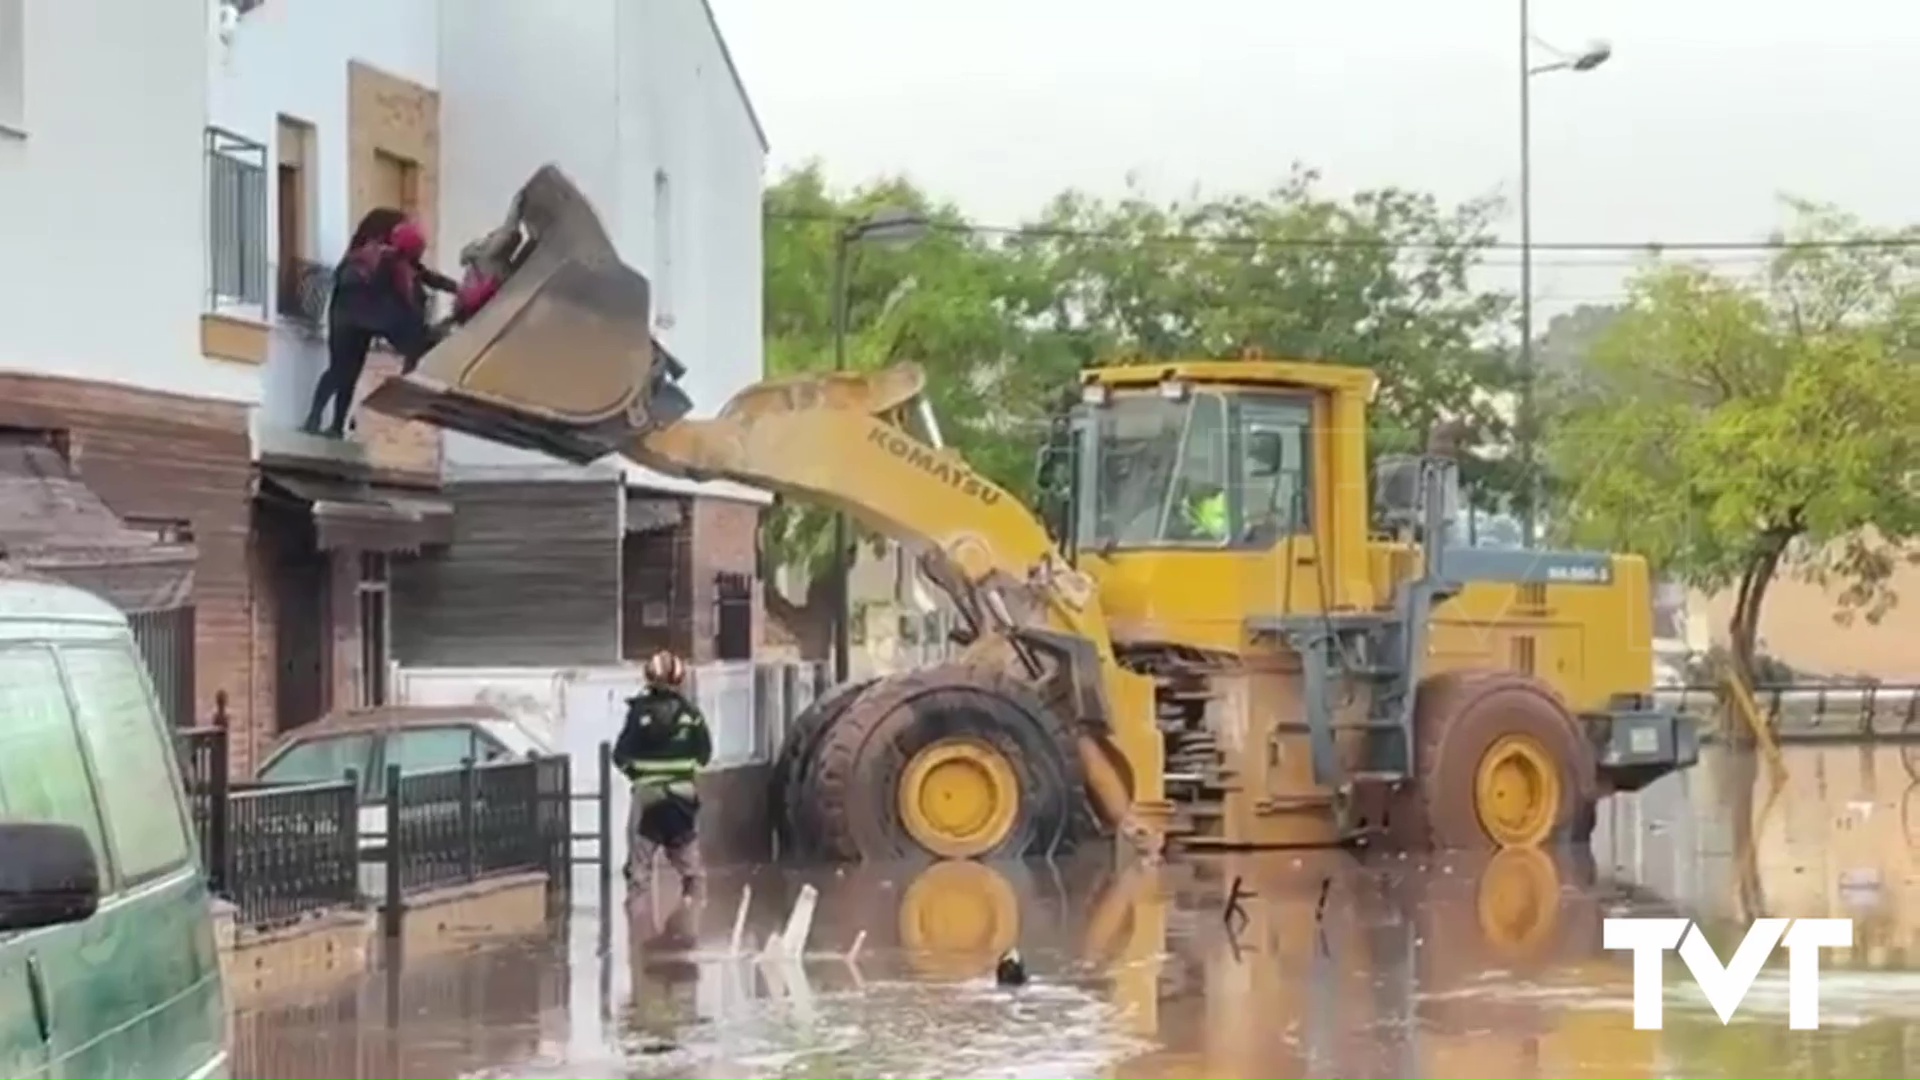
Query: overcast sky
[(1707, 112)]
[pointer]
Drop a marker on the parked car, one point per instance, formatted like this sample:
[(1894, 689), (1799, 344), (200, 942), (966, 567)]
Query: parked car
[(418, 738), (108, 966)]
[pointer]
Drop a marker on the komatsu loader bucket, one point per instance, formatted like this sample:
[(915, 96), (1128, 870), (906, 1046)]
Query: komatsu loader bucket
[(562, 358)]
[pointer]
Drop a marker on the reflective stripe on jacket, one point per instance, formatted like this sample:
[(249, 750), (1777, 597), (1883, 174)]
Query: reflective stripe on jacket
[(1208, 516)]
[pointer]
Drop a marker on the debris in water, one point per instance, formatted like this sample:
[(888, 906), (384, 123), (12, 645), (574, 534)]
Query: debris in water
[(1320, 906), (658, 1046), (1235, 894), (1010, 971)]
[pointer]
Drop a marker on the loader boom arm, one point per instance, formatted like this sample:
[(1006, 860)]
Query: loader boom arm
[(835, 441), (562, 360)]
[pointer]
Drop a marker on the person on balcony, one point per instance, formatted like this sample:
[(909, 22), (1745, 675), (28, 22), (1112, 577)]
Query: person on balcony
[(379, 291), (662, 747)]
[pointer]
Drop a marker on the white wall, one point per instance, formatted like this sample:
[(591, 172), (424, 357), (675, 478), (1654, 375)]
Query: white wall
[(102, 208), (613, 92), (693, 123), (290, 57)]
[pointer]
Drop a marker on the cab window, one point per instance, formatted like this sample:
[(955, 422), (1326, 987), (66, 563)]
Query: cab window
[(1273, 495), (43, 769), (1154, 472), (124, 734), (1197, 511)]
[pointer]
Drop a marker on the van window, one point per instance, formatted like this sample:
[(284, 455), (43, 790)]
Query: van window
[(131, 757), (43, 770)]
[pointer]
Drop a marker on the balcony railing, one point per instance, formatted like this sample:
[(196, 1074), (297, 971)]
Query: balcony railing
[(301, 290)]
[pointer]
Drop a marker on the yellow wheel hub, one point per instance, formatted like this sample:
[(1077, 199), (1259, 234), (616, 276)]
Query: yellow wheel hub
[(958, 918), (1516, 791), (959, 798), (1518, 902)]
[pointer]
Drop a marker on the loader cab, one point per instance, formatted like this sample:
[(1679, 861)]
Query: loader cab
[(1199, 494), (1188, 466)]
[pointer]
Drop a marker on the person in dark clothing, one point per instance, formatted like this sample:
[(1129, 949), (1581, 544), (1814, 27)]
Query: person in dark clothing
[(379, 291), (662, 747)]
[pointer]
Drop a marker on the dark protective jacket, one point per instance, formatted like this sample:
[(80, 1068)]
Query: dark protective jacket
[(378, 290), (664, 740)]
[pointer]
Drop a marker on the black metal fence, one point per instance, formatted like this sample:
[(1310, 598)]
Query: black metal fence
[(291, 851), (165, 639), (282, 852), (203, 772), (461, 825)]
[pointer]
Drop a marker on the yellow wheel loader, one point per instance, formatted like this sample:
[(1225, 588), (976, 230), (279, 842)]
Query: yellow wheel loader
[(1216, 637)]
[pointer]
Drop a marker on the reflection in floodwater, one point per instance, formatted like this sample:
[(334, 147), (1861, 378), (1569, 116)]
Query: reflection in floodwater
[(1327, 966), (447, 1016)]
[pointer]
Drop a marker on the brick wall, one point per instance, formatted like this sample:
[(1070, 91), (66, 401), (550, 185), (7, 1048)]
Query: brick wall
[(724, 536), (252, 724), (169, 457)]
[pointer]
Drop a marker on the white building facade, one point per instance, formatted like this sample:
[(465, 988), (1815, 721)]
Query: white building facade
[(173, 194), (104, 380)]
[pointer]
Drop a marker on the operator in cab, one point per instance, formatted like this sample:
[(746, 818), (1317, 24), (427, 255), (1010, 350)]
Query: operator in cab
[(662, 747), (1205, 513)]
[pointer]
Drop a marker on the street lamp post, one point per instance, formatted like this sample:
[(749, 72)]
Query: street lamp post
[(888, 225), (1596, 54)]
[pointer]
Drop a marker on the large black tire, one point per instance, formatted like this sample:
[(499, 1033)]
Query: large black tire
[(851, 788), (785, 786), (1458, 717)]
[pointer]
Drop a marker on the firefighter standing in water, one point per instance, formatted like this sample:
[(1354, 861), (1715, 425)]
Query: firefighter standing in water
[(661, 750)]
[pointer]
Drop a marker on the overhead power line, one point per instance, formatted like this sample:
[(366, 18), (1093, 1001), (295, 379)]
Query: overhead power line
[(1644, 247)]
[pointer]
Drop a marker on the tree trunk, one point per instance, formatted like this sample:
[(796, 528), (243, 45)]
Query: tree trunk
[(1743, 630), (810, 622)]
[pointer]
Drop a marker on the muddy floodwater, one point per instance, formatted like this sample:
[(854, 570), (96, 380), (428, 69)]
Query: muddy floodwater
[(1327, 965)]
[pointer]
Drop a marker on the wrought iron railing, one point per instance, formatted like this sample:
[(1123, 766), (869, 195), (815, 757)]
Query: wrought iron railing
[(202, 752), (456, 826), (280, 852), (301, 291), (293, 850)]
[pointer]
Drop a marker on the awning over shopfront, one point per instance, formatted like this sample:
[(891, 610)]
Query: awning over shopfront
[(52, 522), (361, 515), (653, 514)]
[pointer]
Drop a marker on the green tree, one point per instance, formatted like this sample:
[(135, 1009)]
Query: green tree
[(943, 301), (1380, 279), (1736, 428)]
